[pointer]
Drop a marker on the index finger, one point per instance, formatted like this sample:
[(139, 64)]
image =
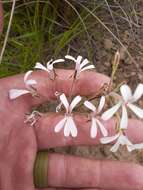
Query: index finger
[(88, 84)]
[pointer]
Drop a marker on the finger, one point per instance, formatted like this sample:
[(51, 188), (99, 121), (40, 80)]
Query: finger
[(17, 156), (46, 88), (69, 189), (54, 189), (46, 137), (76, 172)]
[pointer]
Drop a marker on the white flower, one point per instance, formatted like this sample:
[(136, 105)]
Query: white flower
[(94, 121), (121, 140), (126, 101), (67, 122), (14, 93), (49, 67), (80, 64)]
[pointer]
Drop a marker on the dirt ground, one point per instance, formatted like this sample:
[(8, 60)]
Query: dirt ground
[(129, 71)]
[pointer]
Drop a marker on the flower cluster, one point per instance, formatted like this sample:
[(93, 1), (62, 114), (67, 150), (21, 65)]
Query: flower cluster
[(98, 114)]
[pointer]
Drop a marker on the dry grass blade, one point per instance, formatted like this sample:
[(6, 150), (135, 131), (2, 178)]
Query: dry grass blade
[(8, 30)]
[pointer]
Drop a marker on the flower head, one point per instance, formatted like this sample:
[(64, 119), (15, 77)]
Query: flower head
[(14, 93), (81, 64), (126, 100), (49, 67), (68, 122), (95, 122), (121, 140)]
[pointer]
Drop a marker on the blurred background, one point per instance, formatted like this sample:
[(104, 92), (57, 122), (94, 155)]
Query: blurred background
[(96, 29)]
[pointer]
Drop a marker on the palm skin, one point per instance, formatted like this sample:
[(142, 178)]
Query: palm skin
[(19, 143)]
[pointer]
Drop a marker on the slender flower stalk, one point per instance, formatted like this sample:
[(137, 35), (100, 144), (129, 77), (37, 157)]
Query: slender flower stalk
[(29, 89), (121, 140), (126, 100), (95, 122), (49, 67), (68, 122)]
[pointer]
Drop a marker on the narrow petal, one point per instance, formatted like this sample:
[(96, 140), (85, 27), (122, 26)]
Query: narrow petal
[(64, 101), (67, 128), (138, 92), (14, 93), (124, 140), (88, 67), (102, 128), (70, 58), (137, 146), (73, 129), (110, 112), (101, 104), (115, 147), (124, 118), (74, 102), (90, 106), (31, 82), (93, 130), (27, 75), (50, 67), (138, 111), (60, 125), (106, 140), (78, 62), (85, 62), (70, 127), (58, 61), (125, 92), (40, 66)]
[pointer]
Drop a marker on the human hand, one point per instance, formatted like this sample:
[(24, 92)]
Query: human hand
[(20, 143)]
